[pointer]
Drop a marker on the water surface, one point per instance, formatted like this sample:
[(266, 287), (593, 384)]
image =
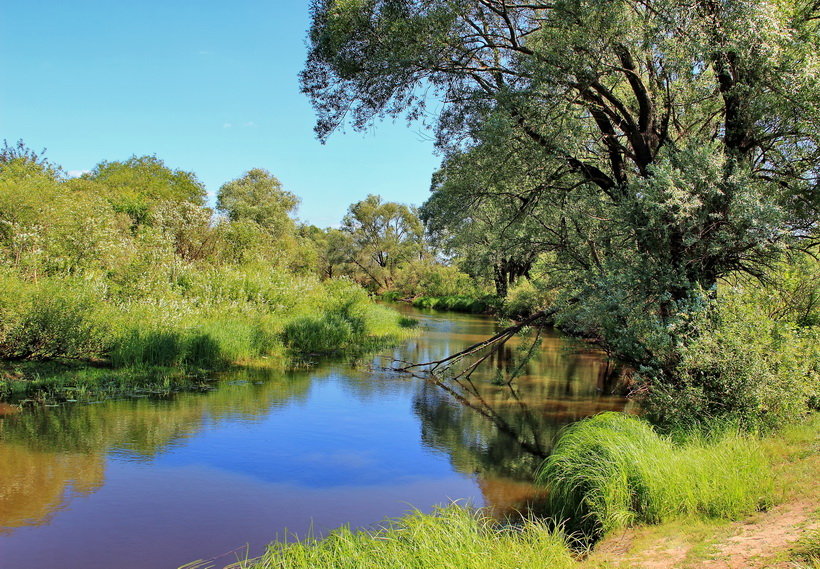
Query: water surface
[(159, 483)]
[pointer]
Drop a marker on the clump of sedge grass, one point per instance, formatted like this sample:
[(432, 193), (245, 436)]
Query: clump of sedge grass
[(451, 538), (613, 470)]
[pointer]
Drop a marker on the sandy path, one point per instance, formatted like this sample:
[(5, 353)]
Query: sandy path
[(749, 544)]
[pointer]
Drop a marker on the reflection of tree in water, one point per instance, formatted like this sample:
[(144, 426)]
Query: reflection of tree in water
[(502, 418), (47, 456), (143, 428), (34, 484), (474, 443), (499, 431)]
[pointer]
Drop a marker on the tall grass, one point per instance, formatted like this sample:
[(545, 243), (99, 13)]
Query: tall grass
[(208, 343), (206, 319), (613, 470), (348, 320), (451, 538)]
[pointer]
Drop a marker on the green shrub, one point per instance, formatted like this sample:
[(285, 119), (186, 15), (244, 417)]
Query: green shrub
[(56, 321), (613, 470), (432, 279), (391, 296), (523, 300), (744, 364), (468, 304)]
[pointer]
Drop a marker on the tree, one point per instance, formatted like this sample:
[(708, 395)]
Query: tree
[(46, 224), (258, 196), (21, 154), (332, 250), (673, 142), (384, 235), (138, 184), (478, 213)]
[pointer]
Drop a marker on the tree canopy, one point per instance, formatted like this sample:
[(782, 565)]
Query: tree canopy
[(136, 185), (258, 196), (659, 145), (383, 235)]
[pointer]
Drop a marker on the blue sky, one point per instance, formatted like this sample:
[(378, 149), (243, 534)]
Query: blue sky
[(209, 87)]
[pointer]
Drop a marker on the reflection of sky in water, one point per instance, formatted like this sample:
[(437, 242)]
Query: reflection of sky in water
[(335, 440), (167, 482)]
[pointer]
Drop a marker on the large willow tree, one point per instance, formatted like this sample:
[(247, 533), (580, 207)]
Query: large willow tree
[(659, 144)]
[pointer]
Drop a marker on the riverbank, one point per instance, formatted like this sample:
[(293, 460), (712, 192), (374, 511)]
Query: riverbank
[(73, 339), (777, 529), (786, 535)]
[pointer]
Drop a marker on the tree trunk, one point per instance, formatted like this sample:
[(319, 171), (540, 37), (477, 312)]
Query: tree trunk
[(500, 278)]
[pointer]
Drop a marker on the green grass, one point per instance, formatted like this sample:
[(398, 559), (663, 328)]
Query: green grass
[(347, 328), (53, 382), (210, 344), (451, 538), (613, 470), (205, 321), (806, 552)]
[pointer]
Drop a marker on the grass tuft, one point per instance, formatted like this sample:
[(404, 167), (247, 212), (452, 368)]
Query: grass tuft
[(451, 538), (613, 470)]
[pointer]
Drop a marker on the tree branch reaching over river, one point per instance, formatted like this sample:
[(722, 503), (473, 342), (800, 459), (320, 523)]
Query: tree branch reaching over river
[(494, 343)]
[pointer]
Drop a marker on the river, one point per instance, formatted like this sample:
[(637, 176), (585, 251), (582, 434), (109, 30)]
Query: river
[(146, 483)]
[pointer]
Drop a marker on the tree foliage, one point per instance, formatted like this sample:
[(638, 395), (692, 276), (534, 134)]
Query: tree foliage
[(382, 237), (258, 196), (136, 185), (656, 147)]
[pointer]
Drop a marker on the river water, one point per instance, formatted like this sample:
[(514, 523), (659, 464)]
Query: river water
[(215, 476)]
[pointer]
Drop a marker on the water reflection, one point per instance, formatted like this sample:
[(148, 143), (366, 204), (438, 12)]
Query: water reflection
[(200, 474), (34, 484)]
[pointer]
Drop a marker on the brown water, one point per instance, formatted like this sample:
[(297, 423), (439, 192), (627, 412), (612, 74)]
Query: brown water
[(160, 483)]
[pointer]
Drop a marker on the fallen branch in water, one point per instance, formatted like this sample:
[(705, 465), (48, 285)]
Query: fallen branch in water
[(493, 342)]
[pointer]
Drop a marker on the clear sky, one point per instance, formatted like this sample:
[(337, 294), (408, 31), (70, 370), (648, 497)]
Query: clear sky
[(209, 87)]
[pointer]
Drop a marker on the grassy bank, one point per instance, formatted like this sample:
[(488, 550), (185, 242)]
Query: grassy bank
[(125, 274), (784, 535), (450, 538), (607, 473), (468, 304), (69, 338), (456, 303), (613, 471)]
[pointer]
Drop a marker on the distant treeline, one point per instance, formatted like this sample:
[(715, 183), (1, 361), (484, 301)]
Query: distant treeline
[(126, 268)]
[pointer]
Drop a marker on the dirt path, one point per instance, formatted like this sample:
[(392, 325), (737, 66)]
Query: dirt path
[(760, 542), (766, 540)]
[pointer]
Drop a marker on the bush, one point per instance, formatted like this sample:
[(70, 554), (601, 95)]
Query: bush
[(55, 321), (468, 304), (613, 470), (432, 279), (744, 364), (523, 300)]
